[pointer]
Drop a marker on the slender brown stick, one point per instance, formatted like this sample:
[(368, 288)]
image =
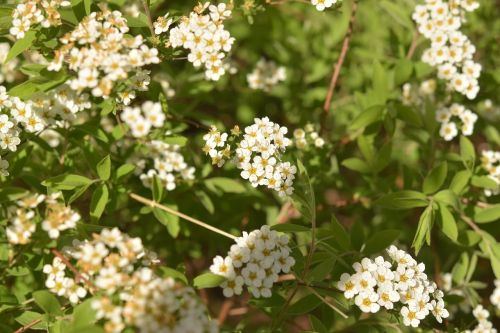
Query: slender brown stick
[(145, 4), (324, 300), (224, 312), (153, 204), (78, 276), (338, 65), (28, 326), (413, 45)]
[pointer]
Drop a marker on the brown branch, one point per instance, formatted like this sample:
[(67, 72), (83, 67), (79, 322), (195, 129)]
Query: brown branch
[(145, 4), (154, 204), (78, 276), (28, 326), (338, 65), (413, 45), (224, 312)]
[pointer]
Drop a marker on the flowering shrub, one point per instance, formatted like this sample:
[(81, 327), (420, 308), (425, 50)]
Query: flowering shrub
[(249, 166)]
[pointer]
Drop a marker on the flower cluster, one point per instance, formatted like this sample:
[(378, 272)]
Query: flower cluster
[(484, 325), (377, 283), (256, 260), (31, 12), (127, 293), (141, 122), (104, 58), (57, 217), (204, 35), (8, 71), (33, 116), (321, 5), (451, 51), (257, 155), (266, 75), (303, 138), (168, 165), (454, 118), (412, 95), (490, 160)]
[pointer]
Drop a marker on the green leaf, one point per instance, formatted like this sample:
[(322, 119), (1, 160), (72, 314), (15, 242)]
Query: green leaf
[(403, 200), (448, 223), (303, 196), (487, 215), (103, 168), (205, 201), (460, 269), (435, 178), (223, 184), (380, 241), (29, 316), (403, 71), (78, 193), (175, 274), (321, 271), (340, 234), (157, 188), (99, 201), (467, 152), (208, 280), (47, 302), (447, 197), (83, 314), (124, 170), (290, 227), (424, 228), (168, 220), (21, 45), (368, 117), (66, 182), (460, 181), (176, 140), (304, 305), (10, 193), (356, 164), (484, 182), (317, 324)]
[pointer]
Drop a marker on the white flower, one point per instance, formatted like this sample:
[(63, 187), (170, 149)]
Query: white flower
[(321, 5), (448, 131), (223, 267), (347, 285), (411, 316), (367, 301), (233, 286)]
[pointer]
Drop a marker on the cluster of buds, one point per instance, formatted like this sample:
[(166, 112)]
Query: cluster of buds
[(266, 75), (490, 161)]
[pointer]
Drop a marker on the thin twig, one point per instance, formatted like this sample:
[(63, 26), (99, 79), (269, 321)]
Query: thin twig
[(78, 276), (28, 326), (153, 204), (324, 300), (413, 45), (338, 65), (145, 4), (224, 312)]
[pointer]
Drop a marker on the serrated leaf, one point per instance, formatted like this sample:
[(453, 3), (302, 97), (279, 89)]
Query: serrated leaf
[(424, 228)]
